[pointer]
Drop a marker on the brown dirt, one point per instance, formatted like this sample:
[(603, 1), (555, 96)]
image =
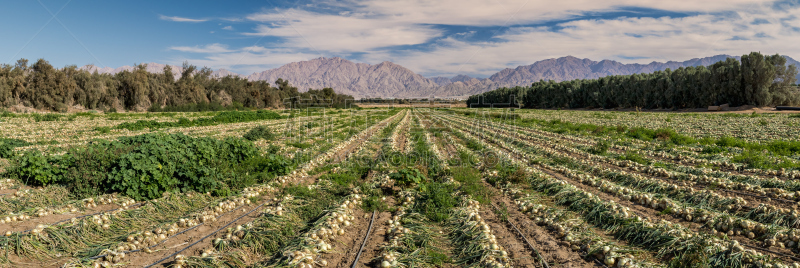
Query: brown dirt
[(348, 245), (376, 238), (554, 252), (519, 252)]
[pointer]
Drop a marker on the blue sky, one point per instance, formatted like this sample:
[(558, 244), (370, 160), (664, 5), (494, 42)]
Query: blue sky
[(444, 37)]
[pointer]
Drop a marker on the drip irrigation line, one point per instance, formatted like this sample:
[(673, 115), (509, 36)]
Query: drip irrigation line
[(541, 259), (365, 240), (601, 263), (773, 252), (760, 196), (207, 236)]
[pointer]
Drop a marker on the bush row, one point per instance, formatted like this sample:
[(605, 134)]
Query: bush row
[(143, 167)]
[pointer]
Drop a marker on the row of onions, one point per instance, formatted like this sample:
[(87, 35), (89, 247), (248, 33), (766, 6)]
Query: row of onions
[(409, 234), (145, 241), (79, 237), (115, 231), (272, 231), (572, 229), (664, 237), (566, 226), (398, 132), (771, 186), (72, 206), (763, 213)]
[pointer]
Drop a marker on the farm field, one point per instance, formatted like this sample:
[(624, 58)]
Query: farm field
[(400, 187)]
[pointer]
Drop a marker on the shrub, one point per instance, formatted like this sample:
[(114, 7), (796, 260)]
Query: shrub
[(601, 147), (7, 146), (46, 117), (408, 177), (259, 132), (33, 168), (103, 130), (143, 167)]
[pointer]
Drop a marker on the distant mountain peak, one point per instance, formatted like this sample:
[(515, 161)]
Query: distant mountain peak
[(388, 79)]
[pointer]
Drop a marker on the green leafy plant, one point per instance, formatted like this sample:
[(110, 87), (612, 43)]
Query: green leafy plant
[(259, 132), (145, 166), (601, 147), (7, 146), (409, 177)]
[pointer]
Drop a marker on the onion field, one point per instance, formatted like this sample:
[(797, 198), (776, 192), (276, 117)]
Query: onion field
[(400, 187)]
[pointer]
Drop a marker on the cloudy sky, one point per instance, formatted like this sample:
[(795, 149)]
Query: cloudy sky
[(433, 38)]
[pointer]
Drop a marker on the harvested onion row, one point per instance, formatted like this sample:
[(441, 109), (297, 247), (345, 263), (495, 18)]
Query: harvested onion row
[(318, 240), (475, 238), (642, 225), (572, 230), (146, 240), (642, 231), (771, 187), (763, 213), (719, 223), (390, 257), (328, 156), (123, 202), (395, 137)]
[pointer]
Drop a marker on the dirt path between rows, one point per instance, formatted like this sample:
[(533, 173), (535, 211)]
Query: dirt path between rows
[(375, 240), (554, 251)]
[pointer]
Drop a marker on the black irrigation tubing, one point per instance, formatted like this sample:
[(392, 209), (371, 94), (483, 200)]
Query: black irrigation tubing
[(601, 263), (84, 216), (760, 196), (773, 252), (165, 240), (524, 238), (207, 236), (366, 237)]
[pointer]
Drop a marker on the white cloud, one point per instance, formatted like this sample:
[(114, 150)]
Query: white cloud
[(229, 28), (652, 39), (372, 30), (181, 19), (211, 48), (244, 61), (510, 12), (339, 33)]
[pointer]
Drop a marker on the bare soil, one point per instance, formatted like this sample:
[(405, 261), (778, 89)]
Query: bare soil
[(554, 252)]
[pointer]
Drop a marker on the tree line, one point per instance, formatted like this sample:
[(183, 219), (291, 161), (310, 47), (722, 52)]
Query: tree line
[(757, 80), (44, 87)]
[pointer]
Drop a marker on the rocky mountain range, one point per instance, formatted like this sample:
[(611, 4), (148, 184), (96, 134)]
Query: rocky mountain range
[(388, 79)]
